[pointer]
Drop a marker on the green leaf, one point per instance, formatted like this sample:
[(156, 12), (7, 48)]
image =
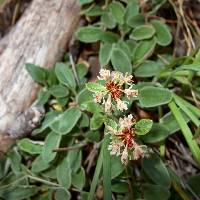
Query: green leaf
[(92, 107), (62, 194), (116, 166), (143, 126), (75, 158), (93, 10), (150, 96), (84, 120), (78, 179), (37, 73), (163, 34), (108, 20), (58, 91), (84, 96), (169, 121), (109, 37), (156, 170), (49, 118), (95, 87), (66, 121), (30, 146), (142, 32), (39, 165), (132, 10), (52, 141), (42, 97), (152, 192), (186, 110), (118, 11), (193, 67), (89, 34), (124, 47), (194, 147), (193, 182), (158, 133), (144, 50), (18, 192), (15, 159), (105, 53), (96, 176), (136, 20), (121, 61), (83, 2), (63, 172), (65, 75), (4, 167), (147, 69), (121, 187), (93, 136), (96, 121)]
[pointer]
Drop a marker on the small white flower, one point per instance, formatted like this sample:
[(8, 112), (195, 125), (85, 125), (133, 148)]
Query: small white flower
[(139, 151), (128, 79), (111, 130), (114, 148), (121, 105), (104, 74), (98, 97), (131, 93), (126, 121), (117, 77), (124, 157), (108, 104)]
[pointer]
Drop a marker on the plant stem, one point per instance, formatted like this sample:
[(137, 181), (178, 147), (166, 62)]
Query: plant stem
[(63, 149)]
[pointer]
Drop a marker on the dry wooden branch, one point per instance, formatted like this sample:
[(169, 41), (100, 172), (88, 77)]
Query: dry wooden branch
[(40, 37)]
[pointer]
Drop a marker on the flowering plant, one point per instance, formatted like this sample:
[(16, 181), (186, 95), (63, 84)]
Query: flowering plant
[(114, 89), (110, 91)]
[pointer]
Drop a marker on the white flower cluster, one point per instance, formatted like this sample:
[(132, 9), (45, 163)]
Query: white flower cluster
[(115, 83), (123, 141)]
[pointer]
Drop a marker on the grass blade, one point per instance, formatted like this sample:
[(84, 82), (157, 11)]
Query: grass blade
[(187, 111), (106, 170), (96, 175), (186, 131), (193, 108)]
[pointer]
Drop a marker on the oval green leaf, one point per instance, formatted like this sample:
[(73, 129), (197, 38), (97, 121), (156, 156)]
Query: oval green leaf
[(65, 75), (88, 34), (143, 126), (66, 121), (63, 173), (58, 91), (163, 34), (105, 53), (144, 49), (118, 11), (30, 146), (158, 133), (142, 32), (150, 96), (156, 170), (52, 141), (121, 61), (95, 87), (147, 69)]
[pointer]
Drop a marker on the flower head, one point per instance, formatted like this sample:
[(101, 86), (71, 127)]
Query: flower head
[(123, 140), (115, 84)]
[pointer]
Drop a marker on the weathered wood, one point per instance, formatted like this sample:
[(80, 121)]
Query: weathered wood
[(40, 37)]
